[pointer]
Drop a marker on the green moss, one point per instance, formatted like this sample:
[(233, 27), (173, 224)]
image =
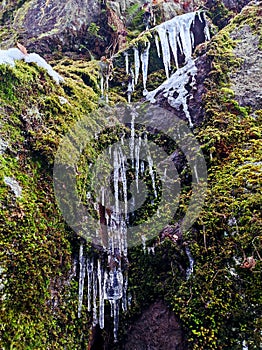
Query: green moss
[(39, 298), (219, 305)]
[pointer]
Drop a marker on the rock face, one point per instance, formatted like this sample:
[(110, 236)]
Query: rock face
[(156, 329), (54, 25), (247, 81)]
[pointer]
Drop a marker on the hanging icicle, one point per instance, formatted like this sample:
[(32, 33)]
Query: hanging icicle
[(137, 64), (127, 62), (145, 59), (190, 269), (162, 32), (174, 36), (81, 279), (100, 275)]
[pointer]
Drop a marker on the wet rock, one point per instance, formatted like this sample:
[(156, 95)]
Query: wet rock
[(195, 94), (157, 329)]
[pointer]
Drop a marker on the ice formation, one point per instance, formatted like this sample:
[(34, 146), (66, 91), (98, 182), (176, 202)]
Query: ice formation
[(14, 185), (174, 88), (171, 35), (145, 61), (190, 269), (107, 278), (107, 281), (11, 55)]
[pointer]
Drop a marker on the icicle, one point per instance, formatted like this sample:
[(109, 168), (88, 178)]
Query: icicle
[(173, 42), (123, 178), (143, 238), (127, 62), (90, 266), (129, 91), (81, 279), (132, 79), (116, 318), (106, 88), (137, 161), (144, 59), (150, 167), (165, 48), (116, 178), (190, 269), (195, 170), (206, 29), (124, 297), (132, 139), (137, 64), (114, 285), (151, 250), (111, 308), (103, 196), (176, 31), (186, 40), (192, 39), (94, 297), (157, 46), (102, 85), (100, 274), (244, 345), (142, 167)]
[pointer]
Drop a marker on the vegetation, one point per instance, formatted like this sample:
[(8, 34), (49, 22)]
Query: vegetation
[(219, 305)]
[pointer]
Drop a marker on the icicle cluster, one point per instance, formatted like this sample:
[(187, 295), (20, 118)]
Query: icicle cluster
[(11, 55), (108, 279), (172, 36)]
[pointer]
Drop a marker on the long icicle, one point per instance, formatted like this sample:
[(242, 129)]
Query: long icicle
[(137, 64), (100, 275), (81, 279), (145, 59), (165, 48)]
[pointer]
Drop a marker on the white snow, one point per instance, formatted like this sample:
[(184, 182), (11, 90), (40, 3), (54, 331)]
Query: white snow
[(11, 55)]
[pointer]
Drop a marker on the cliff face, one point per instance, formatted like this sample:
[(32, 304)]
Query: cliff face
[(85, 26), (214, 306)]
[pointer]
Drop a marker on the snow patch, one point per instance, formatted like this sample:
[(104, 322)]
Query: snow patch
[(11, 55)]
